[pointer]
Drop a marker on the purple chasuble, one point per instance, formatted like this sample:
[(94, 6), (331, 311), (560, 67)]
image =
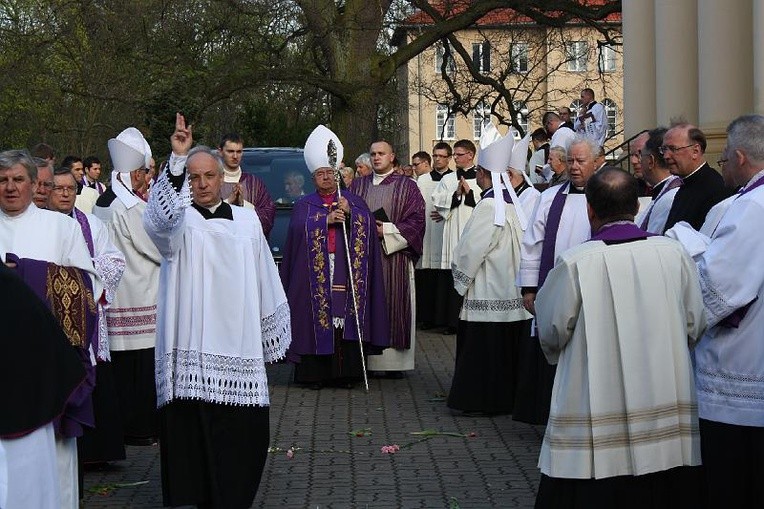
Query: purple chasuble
[(68, 293), (305, 274), (255, 192), (402, 201)]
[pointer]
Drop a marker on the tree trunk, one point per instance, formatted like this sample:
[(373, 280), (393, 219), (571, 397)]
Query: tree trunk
[(355, 122)]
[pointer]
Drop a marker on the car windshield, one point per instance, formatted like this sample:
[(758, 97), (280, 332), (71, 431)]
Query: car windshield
[(287, 178)]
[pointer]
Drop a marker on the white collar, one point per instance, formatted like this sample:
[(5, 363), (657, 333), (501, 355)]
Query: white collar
[(125, 195), (377, 179), (232, 176)]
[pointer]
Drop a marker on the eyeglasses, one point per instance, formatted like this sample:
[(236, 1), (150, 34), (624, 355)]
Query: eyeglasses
[(47, 185), (671, 148), (461, 154), (64, 189), (721, 162)]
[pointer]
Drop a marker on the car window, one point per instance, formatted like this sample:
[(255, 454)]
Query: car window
[(286, 176)]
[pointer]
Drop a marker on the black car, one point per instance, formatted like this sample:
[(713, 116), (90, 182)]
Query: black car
[(279, 169)]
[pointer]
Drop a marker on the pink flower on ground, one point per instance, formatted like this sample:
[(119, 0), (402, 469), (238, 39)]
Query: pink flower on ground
[(472, 434), (290, 453), (390, 449)]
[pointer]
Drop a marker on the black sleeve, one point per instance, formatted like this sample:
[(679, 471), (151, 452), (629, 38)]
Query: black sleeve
[(455, 201), (469, 199)]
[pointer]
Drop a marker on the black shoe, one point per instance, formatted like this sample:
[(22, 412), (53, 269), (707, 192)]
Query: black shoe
[(395, 375), (450, 331), (426, 326)]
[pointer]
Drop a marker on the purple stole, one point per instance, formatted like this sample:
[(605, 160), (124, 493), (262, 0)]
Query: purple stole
[(550, 235), (733, 320), (756, 184), (330, 297), (677, 182), (620, 232), (85, 226)]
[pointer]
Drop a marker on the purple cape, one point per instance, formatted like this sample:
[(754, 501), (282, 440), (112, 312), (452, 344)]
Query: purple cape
[(314, 298), (68, 294), (402, 201)]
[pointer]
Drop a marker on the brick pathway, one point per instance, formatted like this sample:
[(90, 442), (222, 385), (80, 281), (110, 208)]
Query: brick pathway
[(334, 468)]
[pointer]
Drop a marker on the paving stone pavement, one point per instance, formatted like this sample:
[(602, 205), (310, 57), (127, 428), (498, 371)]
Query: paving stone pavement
[(491, 464)]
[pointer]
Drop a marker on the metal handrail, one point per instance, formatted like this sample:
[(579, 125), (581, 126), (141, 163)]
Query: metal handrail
[(625, 153)]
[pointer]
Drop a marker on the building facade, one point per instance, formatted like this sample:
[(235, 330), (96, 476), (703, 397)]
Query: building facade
[(537, 68)]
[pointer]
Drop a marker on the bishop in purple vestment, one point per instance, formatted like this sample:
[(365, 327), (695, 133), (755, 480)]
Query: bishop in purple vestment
[(317, 279)]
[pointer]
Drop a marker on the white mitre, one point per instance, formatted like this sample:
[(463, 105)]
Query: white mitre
[(323, 149), (495, 155), (129, 151), (519, 159)]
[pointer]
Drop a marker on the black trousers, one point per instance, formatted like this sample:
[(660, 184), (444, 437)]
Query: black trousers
[(733, 457), (212, 455)]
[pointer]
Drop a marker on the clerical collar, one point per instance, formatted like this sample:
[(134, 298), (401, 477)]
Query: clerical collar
[(574, 190), (469, 173), (379, 178), (437, 176), (232, 176), (694, 172), (220, 211)]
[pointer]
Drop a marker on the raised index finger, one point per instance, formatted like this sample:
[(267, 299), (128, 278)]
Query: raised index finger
[(180, 122)]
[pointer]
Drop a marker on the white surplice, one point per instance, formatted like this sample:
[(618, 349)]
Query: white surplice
[(131, 317), (574, 229), (729, 361), (222, 313), (454, 219), (484, 266), (617, 321), (432, 245)]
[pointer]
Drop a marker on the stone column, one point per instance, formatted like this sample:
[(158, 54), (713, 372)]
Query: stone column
[(725, 66), (757, 42), (676, 59), (639, 96)]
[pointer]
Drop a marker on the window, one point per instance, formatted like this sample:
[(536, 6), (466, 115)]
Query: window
[(521, 114), (574, 107), (519, 57), (440, 54), (480, 117), (607, 59), (611, 110), (481, 56), (444, 124), (576, 55)]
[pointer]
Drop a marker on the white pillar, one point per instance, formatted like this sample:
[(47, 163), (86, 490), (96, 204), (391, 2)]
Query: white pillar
[(639, 97), (725, 66), (757, 22), (676, 60)]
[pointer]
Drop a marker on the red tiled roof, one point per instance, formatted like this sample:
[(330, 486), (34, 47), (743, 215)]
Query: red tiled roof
[(493, 18)]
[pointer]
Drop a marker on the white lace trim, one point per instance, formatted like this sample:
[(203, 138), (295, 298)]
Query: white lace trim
[(188, 374), (104, 353), (166, 205), (276, 330), (110, 270)]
